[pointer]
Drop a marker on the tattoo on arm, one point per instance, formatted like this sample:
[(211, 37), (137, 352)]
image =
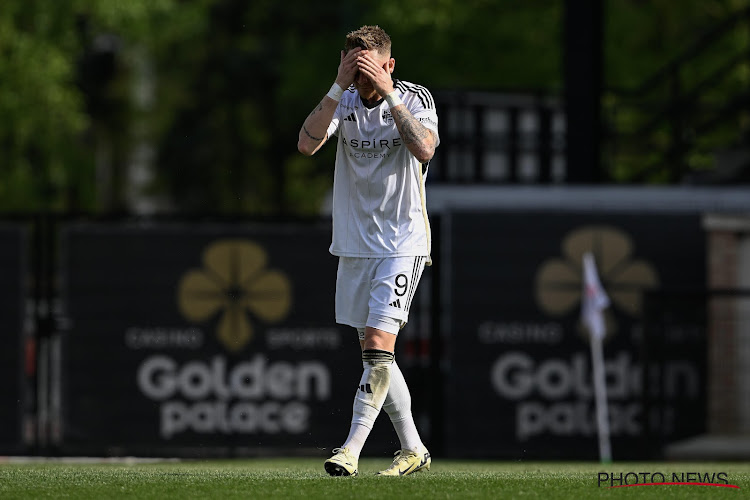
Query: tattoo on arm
[(310, 135), (307, 132), (319, 108), (412, 132)]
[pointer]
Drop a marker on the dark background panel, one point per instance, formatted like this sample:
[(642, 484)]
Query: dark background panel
[(125, 279), (495, 259), (13, 398)]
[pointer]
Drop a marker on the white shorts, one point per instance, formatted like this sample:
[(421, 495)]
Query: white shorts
[(376, 292)]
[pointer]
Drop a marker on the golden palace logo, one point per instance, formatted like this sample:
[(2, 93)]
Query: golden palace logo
[(234, 283), (559, 280)]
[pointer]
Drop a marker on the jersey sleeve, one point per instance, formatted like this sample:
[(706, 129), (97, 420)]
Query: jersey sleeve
[(333, 127), (422, 107)]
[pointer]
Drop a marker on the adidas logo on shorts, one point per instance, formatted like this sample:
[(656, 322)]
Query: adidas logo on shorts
[(396, 303)]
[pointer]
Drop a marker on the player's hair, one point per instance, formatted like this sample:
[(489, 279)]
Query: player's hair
[(370, 38)]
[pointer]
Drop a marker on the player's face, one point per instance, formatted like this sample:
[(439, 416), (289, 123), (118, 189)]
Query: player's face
[(363, 84)]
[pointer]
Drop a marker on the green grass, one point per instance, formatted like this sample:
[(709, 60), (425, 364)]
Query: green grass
[(305, 478)]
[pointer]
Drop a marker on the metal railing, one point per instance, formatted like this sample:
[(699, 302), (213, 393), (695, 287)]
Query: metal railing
[(499, 139)]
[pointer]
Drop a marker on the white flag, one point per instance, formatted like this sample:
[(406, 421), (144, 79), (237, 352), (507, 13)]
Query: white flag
[(593, 303), (594, 298)]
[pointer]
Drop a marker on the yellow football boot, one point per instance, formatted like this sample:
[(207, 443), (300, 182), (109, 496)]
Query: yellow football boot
[(342, 463), (408, 462)]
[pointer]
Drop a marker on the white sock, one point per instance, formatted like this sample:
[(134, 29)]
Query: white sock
[(371, 394), (355, 441), (398, 406)]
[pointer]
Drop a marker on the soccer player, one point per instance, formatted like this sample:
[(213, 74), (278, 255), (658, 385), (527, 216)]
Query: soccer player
[(387, 134)]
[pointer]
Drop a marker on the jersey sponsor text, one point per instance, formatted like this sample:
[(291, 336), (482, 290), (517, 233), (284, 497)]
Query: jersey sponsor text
[(372, 144)]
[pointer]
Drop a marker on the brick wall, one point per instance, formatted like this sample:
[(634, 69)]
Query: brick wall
[(728, 345)]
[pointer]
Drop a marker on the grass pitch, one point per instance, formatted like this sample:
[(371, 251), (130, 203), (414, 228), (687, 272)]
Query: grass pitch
[(305, 478)]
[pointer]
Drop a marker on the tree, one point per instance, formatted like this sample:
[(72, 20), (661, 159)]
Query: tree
[(48, 107), (231, 81)]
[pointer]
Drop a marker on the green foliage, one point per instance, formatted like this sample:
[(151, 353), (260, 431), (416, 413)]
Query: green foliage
[(45, 134), (233, 80), (232, 98), (475, 44), (676, 124), (41, 111)]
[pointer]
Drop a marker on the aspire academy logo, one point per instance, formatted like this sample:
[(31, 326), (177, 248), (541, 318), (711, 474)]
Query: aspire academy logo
[(234, 283), (624, 278)]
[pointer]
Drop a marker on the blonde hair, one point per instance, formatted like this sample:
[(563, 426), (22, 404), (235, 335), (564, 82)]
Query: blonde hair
[(370, 38)]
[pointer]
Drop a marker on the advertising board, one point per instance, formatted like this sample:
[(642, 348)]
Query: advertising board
[(518, 377)]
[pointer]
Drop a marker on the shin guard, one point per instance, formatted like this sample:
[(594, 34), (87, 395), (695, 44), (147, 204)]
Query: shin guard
[(373, 386)]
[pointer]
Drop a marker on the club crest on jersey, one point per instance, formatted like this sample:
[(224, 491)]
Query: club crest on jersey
[(387, 116)]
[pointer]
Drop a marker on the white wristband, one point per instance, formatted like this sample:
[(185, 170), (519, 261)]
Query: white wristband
[(393, 100), (336, 92)]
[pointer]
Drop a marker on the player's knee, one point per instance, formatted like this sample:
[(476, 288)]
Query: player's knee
[(380, 341), (381, 332)]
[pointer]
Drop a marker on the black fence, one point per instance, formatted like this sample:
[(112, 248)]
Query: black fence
[(500, 139), (217, 337), (16, 364)]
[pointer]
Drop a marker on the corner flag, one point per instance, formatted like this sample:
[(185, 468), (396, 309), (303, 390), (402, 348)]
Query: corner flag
[(594, 302), (594, 298)]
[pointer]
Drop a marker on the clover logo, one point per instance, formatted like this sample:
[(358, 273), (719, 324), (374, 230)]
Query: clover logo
[(234, 282), (559, 281)]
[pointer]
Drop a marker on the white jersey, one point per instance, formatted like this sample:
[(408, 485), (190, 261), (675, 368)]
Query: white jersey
[(378, 189)]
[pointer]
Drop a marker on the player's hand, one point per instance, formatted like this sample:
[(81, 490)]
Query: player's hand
[(348, 68), (379, 76)]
